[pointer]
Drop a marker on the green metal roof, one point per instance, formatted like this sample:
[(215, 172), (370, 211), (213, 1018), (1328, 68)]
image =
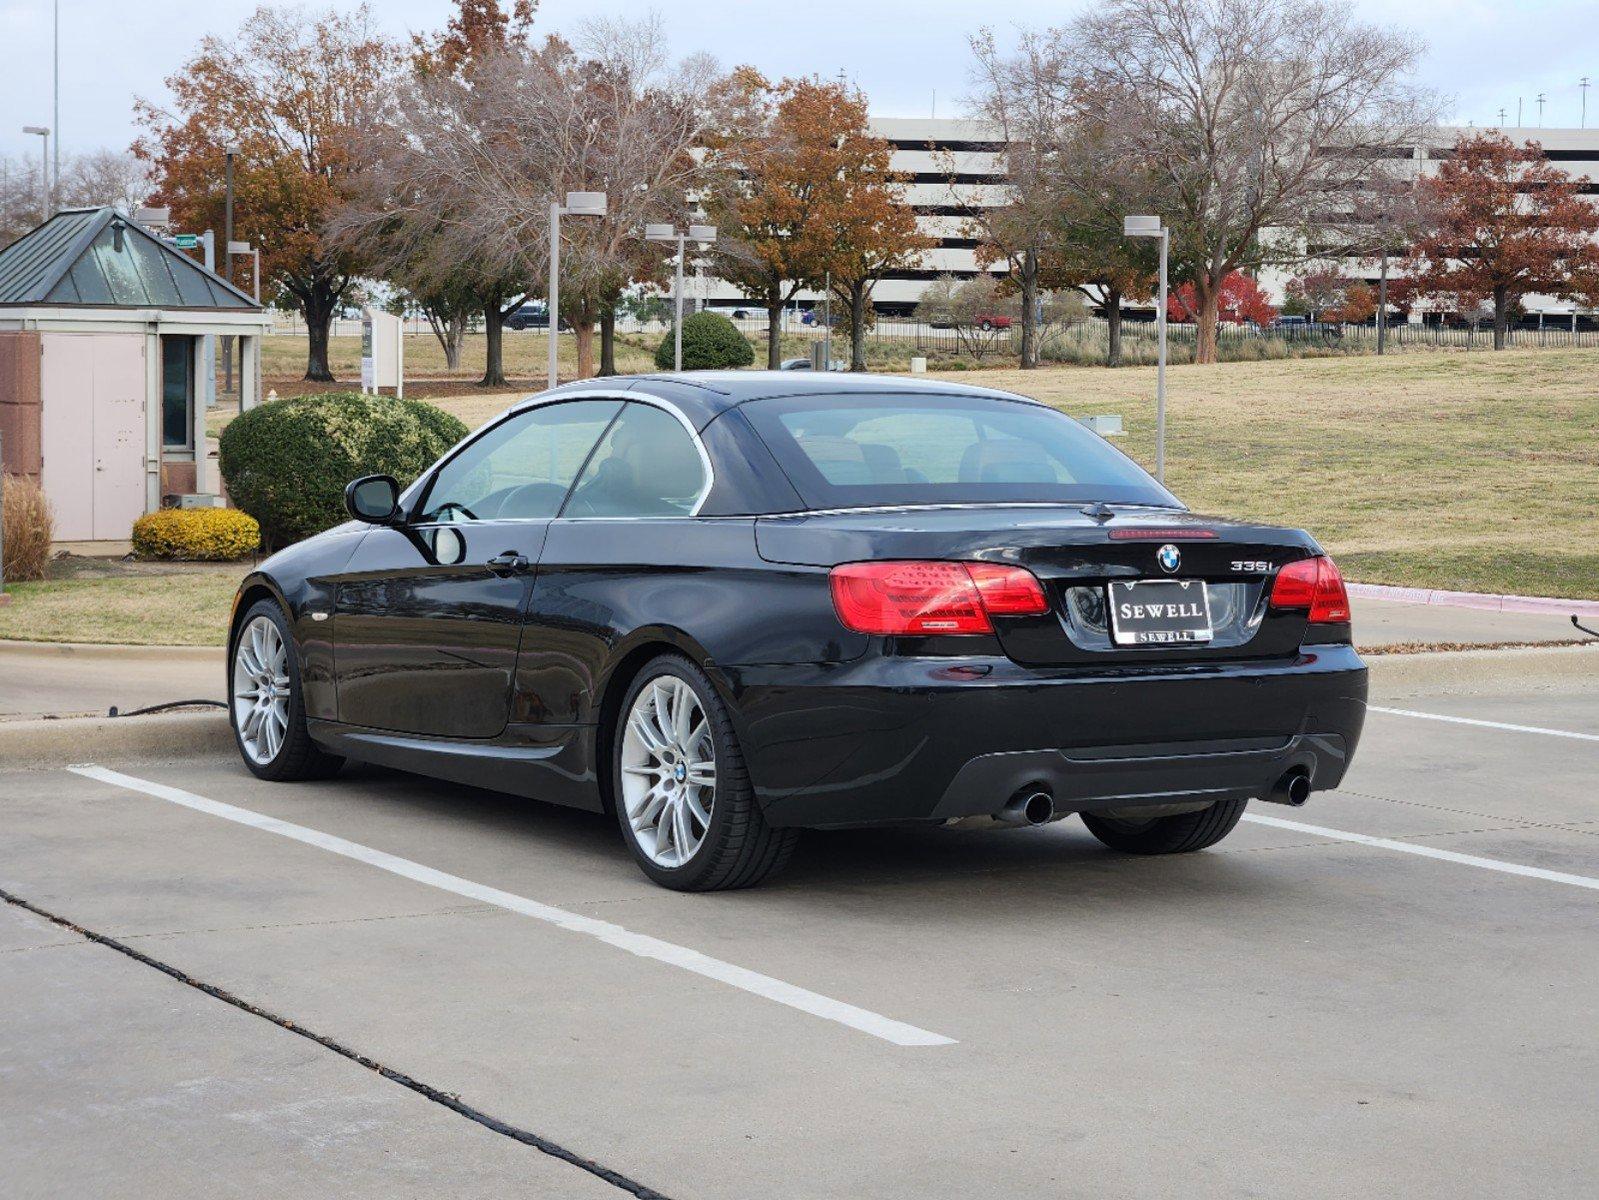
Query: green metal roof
[(74, 259)]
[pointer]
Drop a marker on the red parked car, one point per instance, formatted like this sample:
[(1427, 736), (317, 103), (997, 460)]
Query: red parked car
[(988, 322)]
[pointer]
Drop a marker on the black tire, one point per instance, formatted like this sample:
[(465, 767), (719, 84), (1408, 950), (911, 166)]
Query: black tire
[(298, 757), (1178, 834), (739, 849)]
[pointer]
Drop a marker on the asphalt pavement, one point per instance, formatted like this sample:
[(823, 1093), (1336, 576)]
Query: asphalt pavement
[(1388, 992)]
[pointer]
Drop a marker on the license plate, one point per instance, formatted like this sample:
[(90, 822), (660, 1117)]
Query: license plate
[(1159, 612)]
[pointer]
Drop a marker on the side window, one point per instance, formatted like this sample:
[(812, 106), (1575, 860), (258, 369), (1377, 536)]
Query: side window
[(647, 465), (520, 468)]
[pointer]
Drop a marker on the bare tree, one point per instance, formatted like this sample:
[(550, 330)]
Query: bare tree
[(470, 163), (114, 177), (1263, 120)]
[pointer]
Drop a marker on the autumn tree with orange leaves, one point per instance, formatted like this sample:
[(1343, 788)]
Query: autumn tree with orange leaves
[(774, 189), (1505, 223), (288, 90)]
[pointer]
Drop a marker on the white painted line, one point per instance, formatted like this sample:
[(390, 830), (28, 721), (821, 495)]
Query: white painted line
[(1466, 860), (1406, 712), (640, 944)]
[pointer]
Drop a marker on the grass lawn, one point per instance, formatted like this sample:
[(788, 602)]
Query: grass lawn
[(183, 608), (1476, 472)]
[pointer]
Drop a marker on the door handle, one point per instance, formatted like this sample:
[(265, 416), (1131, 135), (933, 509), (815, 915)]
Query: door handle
[(508, 562)]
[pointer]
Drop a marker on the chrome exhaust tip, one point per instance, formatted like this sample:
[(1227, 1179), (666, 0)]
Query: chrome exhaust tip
[(1027, 808), (1293, 789)]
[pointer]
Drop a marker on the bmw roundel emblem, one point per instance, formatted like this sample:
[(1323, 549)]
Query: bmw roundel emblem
[(1169, 558)]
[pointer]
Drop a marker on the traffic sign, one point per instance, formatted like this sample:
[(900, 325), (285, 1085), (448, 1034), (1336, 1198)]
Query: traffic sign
[(187, 241)]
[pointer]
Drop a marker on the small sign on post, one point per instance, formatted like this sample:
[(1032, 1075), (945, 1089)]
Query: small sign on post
[(187, 241), (382, 352)]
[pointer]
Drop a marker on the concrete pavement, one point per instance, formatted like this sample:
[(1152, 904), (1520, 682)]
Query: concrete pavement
[(1285, 1015)]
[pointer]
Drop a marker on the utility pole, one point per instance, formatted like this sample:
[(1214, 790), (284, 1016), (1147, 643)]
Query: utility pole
[(1583, 84), (1501, 116), (1540, 109)]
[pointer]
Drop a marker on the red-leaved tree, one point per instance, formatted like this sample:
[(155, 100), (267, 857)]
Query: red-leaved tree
[(1505, 223), (1238, 299)]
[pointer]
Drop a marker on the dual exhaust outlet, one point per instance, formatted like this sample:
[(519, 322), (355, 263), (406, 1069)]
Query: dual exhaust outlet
[(1038, 807)]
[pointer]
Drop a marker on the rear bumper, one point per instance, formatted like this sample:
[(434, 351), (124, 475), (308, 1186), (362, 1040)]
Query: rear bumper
[(884, 739)]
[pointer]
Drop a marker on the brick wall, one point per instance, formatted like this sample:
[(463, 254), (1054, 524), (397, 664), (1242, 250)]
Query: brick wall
[(19, 402)]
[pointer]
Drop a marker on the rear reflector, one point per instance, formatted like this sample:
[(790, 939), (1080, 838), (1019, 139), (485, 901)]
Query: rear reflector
[(930, 598), (1159, 535), (1313, 583)]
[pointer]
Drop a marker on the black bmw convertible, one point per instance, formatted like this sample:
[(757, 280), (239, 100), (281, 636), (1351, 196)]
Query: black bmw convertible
[(729, 606)]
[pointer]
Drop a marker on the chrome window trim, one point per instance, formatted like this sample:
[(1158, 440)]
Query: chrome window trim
[(543, 400)]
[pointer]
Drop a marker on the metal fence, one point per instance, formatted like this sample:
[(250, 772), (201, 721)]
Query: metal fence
[(919, 336)]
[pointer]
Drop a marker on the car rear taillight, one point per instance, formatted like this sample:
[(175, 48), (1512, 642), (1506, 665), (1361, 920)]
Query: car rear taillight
[(928, 598), (1316, 584)]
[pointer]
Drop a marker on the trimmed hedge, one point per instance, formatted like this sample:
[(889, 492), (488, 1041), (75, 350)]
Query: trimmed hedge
[(710, 342), (287, 463), (196, 534)]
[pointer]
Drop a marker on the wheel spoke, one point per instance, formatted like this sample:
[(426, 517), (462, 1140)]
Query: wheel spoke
[(702, 774), (682, 834), (700, 813)]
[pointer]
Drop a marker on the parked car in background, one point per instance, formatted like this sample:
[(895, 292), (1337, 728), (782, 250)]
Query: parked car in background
[(804, 364), (988, 322), (532, 316), (731, 605)]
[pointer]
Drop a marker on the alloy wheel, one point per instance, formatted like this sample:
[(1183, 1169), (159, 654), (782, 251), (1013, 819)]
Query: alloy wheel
[(668, 771), (261, 690)]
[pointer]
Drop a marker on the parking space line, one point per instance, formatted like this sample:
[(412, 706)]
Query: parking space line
[(642, 945), (1425, 716), (1468, 860)]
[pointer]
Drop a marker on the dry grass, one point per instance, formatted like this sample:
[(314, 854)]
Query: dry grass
[(1469, 471), (26, 526), (283, 360), (175, 608), (1477, 472)]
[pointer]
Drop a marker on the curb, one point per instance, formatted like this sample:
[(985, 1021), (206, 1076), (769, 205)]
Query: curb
[(41, 743), (1486, 601), (92, 650), (1395, 674)]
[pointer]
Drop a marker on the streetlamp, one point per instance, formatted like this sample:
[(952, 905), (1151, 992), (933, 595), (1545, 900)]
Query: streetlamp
[(229, 152), (578, 204), (703, 234), (44, 163), (1152, 227)]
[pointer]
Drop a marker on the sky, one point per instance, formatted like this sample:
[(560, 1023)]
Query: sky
[(910, 56)]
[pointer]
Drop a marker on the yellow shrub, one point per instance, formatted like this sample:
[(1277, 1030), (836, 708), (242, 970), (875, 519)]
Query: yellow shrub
[(196, 534)]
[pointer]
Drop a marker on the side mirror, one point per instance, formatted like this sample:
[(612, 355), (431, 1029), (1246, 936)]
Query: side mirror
[(374, 499)]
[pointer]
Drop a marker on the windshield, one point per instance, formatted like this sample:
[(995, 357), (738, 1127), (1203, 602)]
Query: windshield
[(870, 450)]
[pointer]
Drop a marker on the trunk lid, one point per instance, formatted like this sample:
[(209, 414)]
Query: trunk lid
[(1076, 552)]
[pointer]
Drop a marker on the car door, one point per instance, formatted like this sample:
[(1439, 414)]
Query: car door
[(612, 562), (428, 614)]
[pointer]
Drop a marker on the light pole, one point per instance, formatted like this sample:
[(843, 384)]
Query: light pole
[(228, 153), (1152, 227), (55, 87), (578, 204), (703, 234), (44, 164), (1584, 85)]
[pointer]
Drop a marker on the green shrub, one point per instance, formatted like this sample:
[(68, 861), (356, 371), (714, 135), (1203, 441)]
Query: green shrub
[(710, 342), (287, 463), (196, 534)]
